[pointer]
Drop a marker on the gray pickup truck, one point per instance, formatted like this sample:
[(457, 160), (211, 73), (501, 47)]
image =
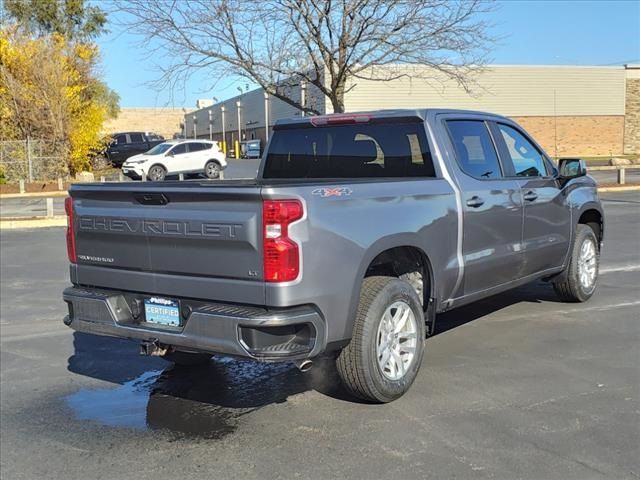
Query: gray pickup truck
[(357, 231)]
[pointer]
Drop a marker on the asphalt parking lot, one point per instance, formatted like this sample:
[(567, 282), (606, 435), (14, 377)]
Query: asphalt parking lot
[(516, 386)]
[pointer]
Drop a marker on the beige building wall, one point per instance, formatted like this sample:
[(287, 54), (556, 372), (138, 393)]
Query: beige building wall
[(570, 110), (504, 89), (568, 136), (164, 121)]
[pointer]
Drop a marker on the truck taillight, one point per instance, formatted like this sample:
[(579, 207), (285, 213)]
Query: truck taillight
[(281, 254), (71, 238)]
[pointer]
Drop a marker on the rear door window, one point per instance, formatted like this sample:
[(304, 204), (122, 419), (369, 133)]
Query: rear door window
[(365, 150), (121, 139), (474, 148), (195, 146), (136, 137)]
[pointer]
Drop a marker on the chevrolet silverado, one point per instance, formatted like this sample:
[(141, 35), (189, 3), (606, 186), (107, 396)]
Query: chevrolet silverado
[(357, 231)]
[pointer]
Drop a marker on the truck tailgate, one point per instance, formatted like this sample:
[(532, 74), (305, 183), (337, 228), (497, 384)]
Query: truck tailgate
[(176, 229)]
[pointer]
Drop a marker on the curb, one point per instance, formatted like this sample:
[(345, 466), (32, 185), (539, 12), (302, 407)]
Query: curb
[(36, 222), (56, 193), (621, 188), (61, 220)]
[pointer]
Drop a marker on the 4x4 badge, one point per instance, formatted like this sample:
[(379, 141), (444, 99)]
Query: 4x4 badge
[(332, 192)]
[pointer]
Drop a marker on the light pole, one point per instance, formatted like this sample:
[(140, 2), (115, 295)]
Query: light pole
[(211, 125), (303, 95), (239, 104), (224, 136), (266, 117), (195, 123)]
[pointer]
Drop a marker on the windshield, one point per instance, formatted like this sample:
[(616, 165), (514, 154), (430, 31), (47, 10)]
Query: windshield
[(158, 149)]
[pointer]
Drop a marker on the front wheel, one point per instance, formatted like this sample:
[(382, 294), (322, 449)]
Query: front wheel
[(157, 173), (582, 273), (212, 169), (384, 355)]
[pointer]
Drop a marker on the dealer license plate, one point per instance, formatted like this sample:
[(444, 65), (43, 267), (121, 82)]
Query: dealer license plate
[(162, 311)]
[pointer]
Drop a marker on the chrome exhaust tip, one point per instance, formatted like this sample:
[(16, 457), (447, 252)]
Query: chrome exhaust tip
[(304, 365)]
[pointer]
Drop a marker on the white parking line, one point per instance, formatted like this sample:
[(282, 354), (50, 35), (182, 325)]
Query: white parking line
[(31, 336), (621, 268), (598, 308)]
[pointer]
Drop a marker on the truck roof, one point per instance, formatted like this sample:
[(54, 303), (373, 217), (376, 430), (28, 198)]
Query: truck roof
[(391, 113)]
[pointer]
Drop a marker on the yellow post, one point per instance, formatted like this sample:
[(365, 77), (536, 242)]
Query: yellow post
[(237, 149)]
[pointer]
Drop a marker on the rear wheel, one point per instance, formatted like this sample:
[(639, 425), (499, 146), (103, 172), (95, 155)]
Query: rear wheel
[(157, 173), (582, 273), (187, 358), (384, 355), (212, 169)]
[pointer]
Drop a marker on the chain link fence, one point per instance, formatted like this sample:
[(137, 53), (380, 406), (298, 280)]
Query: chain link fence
[(32, 161)]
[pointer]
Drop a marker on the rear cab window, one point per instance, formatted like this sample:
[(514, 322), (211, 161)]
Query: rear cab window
[(375, 149)]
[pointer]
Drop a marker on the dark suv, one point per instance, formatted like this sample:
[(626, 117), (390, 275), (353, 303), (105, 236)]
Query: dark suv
[(128, 144)]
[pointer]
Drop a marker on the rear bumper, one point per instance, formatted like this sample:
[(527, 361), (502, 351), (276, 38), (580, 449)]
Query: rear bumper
[(247, 331)]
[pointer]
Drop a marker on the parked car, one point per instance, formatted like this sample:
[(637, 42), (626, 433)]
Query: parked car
[(128, 144), (251, 149), (357, 231), (177, 156)]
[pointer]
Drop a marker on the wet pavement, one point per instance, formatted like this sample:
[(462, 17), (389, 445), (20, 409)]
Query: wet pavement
[(204, 401), (516, 386)]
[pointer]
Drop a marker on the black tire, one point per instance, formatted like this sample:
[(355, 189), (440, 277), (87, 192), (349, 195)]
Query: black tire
[(357, 363), (572, 288), (187, 359), (212, 169), (157, 173)]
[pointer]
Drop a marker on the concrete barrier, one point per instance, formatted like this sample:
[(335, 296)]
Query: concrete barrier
[(49, 201), (620, 168)]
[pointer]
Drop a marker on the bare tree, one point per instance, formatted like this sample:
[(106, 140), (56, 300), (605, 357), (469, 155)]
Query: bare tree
[(327, 43)]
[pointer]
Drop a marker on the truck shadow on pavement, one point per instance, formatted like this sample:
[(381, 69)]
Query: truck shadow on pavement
[(209, 401), (532, 293)]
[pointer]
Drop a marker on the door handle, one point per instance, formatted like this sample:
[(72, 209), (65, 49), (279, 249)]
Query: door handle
[(530, 196), (475, 202)]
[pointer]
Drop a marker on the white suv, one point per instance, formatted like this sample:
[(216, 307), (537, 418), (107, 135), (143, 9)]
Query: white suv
[(177, 156)]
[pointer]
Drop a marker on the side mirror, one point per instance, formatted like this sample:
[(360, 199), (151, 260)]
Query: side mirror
[(169, 154), (569, 168)]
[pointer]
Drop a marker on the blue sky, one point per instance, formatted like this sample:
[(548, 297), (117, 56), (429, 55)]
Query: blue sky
[(531, 32)]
